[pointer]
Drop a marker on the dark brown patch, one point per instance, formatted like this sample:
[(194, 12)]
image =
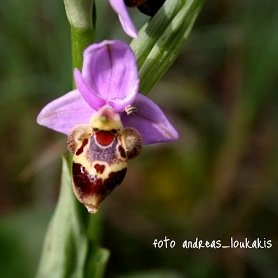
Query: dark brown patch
[(80, 150), (104, 138), (81, 180), (114, 179), (148, 7), (86, 184), (122, 151), (134, 3), (99, 168)]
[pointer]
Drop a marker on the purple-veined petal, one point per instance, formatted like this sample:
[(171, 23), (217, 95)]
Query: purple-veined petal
[(120, 8), (65, 112), (150, 121), (110, 71), (89, 95)]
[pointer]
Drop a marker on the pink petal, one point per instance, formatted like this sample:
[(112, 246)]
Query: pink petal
[(89, 95), (65, 112), (110, 70), (120, 8), (150, 121), (119, 104)]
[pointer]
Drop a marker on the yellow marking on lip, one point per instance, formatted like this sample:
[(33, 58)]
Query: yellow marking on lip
[(89, 165)]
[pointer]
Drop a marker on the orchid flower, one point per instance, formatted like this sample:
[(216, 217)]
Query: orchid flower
[(106, 120), (109, 78)]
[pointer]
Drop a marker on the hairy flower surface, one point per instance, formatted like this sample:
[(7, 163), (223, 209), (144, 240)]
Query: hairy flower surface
[(109, 78)]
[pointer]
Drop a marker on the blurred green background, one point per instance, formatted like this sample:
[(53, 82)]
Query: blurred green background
[(219, 180)]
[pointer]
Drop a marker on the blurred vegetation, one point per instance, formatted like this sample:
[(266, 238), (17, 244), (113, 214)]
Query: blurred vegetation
[(219, 180)]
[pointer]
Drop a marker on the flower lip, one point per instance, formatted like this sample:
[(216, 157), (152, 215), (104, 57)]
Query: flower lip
[(105, 137)]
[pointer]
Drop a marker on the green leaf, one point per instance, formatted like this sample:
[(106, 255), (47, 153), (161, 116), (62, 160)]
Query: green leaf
[(162, 39), (96, 262), (67, 247)]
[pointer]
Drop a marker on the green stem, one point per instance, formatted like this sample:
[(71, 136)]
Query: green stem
[(80, 39), (70, 247)]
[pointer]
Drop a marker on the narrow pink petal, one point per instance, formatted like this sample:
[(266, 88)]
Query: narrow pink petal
[(110, 71), (150, 121), (89, 95), (65, 112), (120, 8)]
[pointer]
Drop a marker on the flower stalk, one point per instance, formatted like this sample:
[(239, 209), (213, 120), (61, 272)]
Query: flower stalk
[(81, 16), (80, 39), (79, 13), (70, 246)]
